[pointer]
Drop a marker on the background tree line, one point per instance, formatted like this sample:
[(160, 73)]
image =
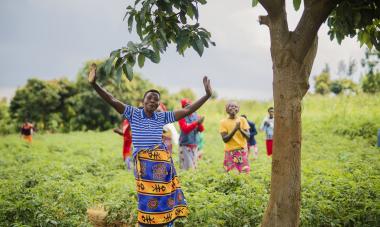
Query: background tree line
[(369, 83), (61, 105)]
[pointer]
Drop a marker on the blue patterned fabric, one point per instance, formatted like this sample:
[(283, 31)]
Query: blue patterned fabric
[(160, 197)]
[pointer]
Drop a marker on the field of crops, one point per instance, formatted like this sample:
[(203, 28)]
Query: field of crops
[(53, 181)]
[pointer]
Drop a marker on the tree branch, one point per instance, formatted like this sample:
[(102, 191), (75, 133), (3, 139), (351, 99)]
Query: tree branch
[(264, 20), (273, 7), (314, 14)]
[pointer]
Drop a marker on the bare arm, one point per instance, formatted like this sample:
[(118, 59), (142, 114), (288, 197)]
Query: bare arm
[(245, 133), (106, 96), (227, 137), (179, 114), (118, 131)]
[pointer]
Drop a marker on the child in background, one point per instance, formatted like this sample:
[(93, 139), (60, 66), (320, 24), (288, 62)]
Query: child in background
[(235, 133), (127, 145), (267, 126), (252, 146)]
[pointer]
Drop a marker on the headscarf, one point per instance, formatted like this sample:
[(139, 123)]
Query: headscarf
[(185, 102)]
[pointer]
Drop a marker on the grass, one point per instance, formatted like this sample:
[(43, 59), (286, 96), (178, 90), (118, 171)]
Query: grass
[(53, 181)]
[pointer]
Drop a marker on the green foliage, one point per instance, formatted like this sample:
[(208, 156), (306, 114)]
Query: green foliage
[(159, 23), (52, 181), (371, 81), (359, 18), (296, 4), (363, 130), (40, 100), (343, 86), (6, 124), (322, 83)]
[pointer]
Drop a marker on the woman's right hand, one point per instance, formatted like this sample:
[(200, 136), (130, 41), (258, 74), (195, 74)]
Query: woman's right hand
[(92, 74)]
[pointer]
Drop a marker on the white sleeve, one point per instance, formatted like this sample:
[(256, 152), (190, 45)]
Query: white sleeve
[(262, 124), (173, 130)]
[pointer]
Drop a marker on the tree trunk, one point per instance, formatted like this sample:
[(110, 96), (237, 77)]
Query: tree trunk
[(290, 84)]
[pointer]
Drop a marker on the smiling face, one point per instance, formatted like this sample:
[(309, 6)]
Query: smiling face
[(271, 112), (151, 101), (232, 109)]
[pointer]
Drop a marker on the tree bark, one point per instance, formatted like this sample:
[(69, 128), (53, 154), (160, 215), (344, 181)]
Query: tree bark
[(293, 54), (290, 84)]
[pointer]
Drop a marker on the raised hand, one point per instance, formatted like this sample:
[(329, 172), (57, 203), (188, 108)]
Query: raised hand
[(207, 85), (92, 74), (201, 119), (237, 126)]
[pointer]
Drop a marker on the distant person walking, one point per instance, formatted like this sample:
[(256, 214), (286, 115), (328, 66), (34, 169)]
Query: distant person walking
[(190, 126), (235, 133), (159, 194), (27, 129), (268, 126), (252, 145), (125, 131)]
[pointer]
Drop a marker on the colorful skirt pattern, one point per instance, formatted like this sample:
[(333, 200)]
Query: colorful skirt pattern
[(160, 198), (236, 159)]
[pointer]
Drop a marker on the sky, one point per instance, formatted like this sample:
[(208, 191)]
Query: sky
[(49, 39)]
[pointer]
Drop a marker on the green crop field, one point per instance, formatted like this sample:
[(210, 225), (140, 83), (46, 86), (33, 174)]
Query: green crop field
[(53, 181)]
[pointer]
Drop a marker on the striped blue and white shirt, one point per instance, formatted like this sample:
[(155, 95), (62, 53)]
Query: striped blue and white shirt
[(146, 132)]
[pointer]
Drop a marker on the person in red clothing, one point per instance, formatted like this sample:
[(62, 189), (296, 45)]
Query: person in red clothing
[(127, 146), (190, 127)]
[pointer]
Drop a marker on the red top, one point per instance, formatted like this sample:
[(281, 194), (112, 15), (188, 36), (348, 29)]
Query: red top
[(127, 139), (187, 128)]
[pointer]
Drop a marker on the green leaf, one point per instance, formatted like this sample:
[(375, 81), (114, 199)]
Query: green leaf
[(118, 63), (255, 2), (132, 46), (182, 17), (131, 59), (115, 54), (138, 26), (153, 56), (130, 22), (296, 4), (128, 71), (118, 75), (141, 60), (197, 45), (205, 43), (162, 33), (202, 1), (108, 65), (190, 11)]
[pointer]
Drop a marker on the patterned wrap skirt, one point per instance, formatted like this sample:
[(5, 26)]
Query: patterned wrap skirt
[(160, 197), (238, 159)]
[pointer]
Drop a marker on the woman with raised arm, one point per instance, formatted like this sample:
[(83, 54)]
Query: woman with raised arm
[(160, 198)]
